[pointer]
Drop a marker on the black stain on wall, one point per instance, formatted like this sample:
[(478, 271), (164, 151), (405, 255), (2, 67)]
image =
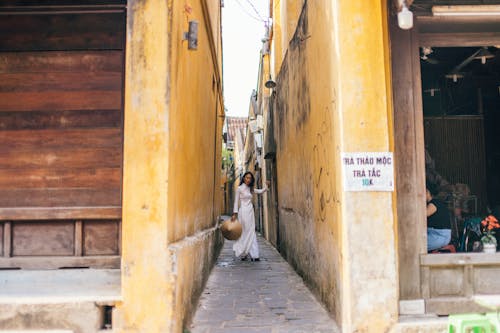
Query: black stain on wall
[(292, 100)]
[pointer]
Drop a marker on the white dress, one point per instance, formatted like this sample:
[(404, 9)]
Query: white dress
[(247, 243)]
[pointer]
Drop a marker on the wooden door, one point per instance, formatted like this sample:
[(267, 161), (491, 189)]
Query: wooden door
[(61, 128)]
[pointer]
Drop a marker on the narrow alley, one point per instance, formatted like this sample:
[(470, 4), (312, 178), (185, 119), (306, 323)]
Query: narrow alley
[(365, 149), (266, 296)]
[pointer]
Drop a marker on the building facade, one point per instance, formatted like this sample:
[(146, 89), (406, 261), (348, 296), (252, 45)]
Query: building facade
[(353, 89), (111, 116), (114, 112)]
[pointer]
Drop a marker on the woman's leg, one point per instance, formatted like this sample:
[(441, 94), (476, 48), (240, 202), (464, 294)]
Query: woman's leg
[(242, 246), (254, 247), (437, 238)]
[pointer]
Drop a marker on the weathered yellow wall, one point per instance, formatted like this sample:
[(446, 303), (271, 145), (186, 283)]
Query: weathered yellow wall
[(144, 248), (289, 15), (196, 106), (332, 97), (263, 103), (370, 283), (276, 36), (308, 189), (172, 149)]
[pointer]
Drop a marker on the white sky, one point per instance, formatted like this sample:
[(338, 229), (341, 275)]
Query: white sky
[(242, 32)]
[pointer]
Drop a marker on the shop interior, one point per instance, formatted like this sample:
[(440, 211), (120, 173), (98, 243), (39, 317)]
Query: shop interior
[(461, 109)]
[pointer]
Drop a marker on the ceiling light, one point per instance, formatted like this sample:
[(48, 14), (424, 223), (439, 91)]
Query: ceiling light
[(484, 54), (426, 50), (466, 10), (454, 76), (432, 91)]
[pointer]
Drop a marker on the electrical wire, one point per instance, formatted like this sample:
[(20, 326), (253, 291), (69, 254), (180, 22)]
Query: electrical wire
[(249, 14), (255, 10)]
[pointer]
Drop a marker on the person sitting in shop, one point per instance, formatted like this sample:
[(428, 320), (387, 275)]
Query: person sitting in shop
[(438, 220)]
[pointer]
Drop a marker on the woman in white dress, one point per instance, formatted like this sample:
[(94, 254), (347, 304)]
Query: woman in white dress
[(246, 246)]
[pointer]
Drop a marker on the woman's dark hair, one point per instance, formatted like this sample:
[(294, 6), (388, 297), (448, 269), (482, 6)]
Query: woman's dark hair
[(433, 188), (253, 179)]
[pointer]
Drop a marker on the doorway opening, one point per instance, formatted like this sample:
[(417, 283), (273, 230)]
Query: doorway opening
[(461, 109)]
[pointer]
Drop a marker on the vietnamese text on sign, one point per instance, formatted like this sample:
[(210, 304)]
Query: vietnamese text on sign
[(368, 171)]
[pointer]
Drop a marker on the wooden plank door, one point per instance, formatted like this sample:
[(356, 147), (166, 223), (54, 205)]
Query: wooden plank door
[(61, 129)]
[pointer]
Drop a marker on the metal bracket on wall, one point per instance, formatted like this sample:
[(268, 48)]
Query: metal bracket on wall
[(192, 35)]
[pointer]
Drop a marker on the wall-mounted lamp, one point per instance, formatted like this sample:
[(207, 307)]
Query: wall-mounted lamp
[(466, 10), (405, 17), (192, 35), (483, 54), (270, 84)]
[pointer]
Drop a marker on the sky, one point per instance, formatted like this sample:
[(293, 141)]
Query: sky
[(242, 32)]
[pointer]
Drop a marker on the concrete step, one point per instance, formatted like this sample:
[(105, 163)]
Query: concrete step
[(59, 286), (76, 300), (84, 317), (421, 324)]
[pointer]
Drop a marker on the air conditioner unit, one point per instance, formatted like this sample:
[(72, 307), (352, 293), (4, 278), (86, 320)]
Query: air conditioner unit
[(252, 125), (258, 140), (260, 122)]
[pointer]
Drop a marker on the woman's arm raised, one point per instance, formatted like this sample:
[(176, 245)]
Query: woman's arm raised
[(264, 189)]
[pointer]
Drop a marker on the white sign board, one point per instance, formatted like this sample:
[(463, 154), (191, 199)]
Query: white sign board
[(370, 171)]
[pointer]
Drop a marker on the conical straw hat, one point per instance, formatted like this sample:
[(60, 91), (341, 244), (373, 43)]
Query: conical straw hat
[(231, 230)]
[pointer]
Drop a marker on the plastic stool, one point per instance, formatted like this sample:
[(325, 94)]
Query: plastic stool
[(469, 323), (494, 320)]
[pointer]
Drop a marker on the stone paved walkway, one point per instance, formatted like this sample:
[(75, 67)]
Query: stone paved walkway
[(265, 297)]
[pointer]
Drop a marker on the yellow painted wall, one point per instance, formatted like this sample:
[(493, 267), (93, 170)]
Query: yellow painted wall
[(289, 15), (263, 93), (370, 284), (332, 97), (308, 189), (172, 152), (276, 36), (196, 106)]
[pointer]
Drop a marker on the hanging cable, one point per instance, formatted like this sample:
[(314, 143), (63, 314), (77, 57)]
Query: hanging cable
[(249, 14), (255, 10)]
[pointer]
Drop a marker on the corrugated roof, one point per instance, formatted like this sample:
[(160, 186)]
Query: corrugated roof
[(236, 125)]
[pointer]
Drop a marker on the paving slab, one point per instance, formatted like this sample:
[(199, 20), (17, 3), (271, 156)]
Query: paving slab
[(265, 296)]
